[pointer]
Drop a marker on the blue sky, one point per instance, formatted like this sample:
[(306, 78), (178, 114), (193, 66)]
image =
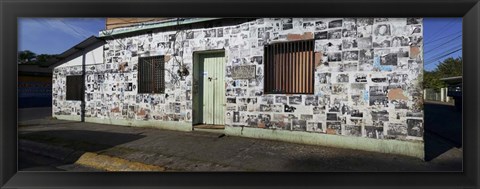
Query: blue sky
[(442, 36), (55, 35), (442, 39)]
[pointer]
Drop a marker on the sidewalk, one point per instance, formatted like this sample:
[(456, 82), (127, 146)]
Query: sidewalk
[(203, 151)]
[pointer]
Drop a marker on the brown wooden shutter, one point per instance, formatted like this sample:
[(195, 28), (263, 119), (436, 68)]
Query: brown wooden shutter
[(289, 68)]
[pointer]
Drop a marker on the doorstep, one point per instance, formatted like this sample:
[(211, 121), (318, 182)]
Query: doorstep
[(210, 128)]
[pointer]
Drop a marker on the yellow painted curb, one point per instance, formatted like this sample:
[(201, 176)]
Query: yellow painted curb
[(109, 163)]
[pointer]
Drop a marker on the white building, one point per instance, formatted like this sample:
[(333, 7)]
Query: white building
[(342, 82)]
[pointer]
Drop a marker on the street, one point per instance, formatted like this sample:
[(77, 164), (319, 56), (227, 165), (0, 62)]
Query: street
[(34, 162), (204, 151)]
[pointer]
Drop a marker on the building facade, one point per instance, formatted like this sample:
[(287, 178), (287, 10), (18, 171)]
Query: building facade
[(341, 82), (34, 86)]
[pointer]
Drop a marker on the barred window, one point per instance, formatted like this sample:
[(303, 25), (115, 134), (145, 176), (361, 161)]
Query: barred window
[(74, 92), (151, 74), (289, 67)]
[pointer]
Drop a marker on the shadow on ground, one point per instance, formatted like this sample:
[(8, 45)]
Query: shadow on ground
[(362, 164), (75, 140), (443, 129), (34, 123)]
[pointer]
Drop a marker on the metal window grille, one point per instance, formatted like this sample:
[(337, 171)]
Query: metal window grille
[(74, 92), (289, 67), (151, 74)]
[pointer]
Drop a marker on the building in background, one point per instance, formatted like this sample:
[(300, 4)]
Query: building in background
[(454, 86), (34, 85), (341, 82)]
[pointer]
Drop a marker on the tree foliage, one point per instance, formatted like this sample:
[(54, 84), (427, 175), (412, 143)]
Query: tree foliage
[(431, 80), (450, 67), (26, 56), (45, 59), (29, 57)]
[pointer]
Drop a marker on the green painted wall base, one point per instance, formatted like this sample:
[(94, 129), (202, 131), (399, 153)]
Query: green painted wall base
[(170, 125), (67, 117), (408, 148)]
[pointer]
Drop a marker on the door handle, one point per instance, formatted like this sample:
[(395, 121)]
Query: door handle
[(209, 78)]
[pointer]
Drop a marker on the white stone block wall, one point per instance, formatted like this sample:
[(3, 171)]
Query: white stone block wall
[(382, 100)]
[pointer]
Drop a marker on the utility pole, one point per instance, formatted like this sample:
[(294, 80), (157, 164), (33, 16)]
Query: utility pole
[(82, 106)]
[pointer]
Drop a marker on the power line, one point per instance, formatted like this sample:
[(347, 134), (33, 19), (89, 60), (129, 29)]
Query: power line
[(442, 37), (433, 60), (446, 31), (443, 50), (441, 58), (438, 39), (446, 51), (75, 30), (443, 44), (443, 41), (456, 50), (442, 30)]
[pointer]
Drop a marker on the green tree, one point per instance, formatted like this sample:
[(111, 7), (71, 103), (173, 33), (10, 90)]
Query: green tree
[(431, 80), (29, 57), (26, 56), (45, 59), (450, 67)]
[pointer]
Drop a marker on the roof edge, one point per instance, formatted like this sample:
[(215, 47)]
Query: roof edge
[(85, 44), (152, 25), (451, 78)]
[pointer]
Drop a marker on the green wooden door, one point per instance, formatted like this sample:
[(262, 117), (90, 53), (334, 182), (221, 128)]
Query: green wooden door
[(213, 88)]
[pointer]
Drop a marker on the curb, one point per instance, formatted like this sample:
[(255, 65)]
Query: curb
[(88, 159), (110, 163)]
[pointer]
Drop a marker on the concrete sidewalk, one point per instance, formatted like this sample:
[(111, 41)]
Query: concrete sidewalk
[(203, 151)]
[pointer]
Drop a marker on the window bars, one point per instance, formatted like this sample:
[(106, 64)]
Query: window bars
[(151, 74)]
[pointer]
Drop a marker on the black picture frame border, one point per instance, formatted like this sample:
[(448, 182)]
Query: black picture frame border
[(10, 10)]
